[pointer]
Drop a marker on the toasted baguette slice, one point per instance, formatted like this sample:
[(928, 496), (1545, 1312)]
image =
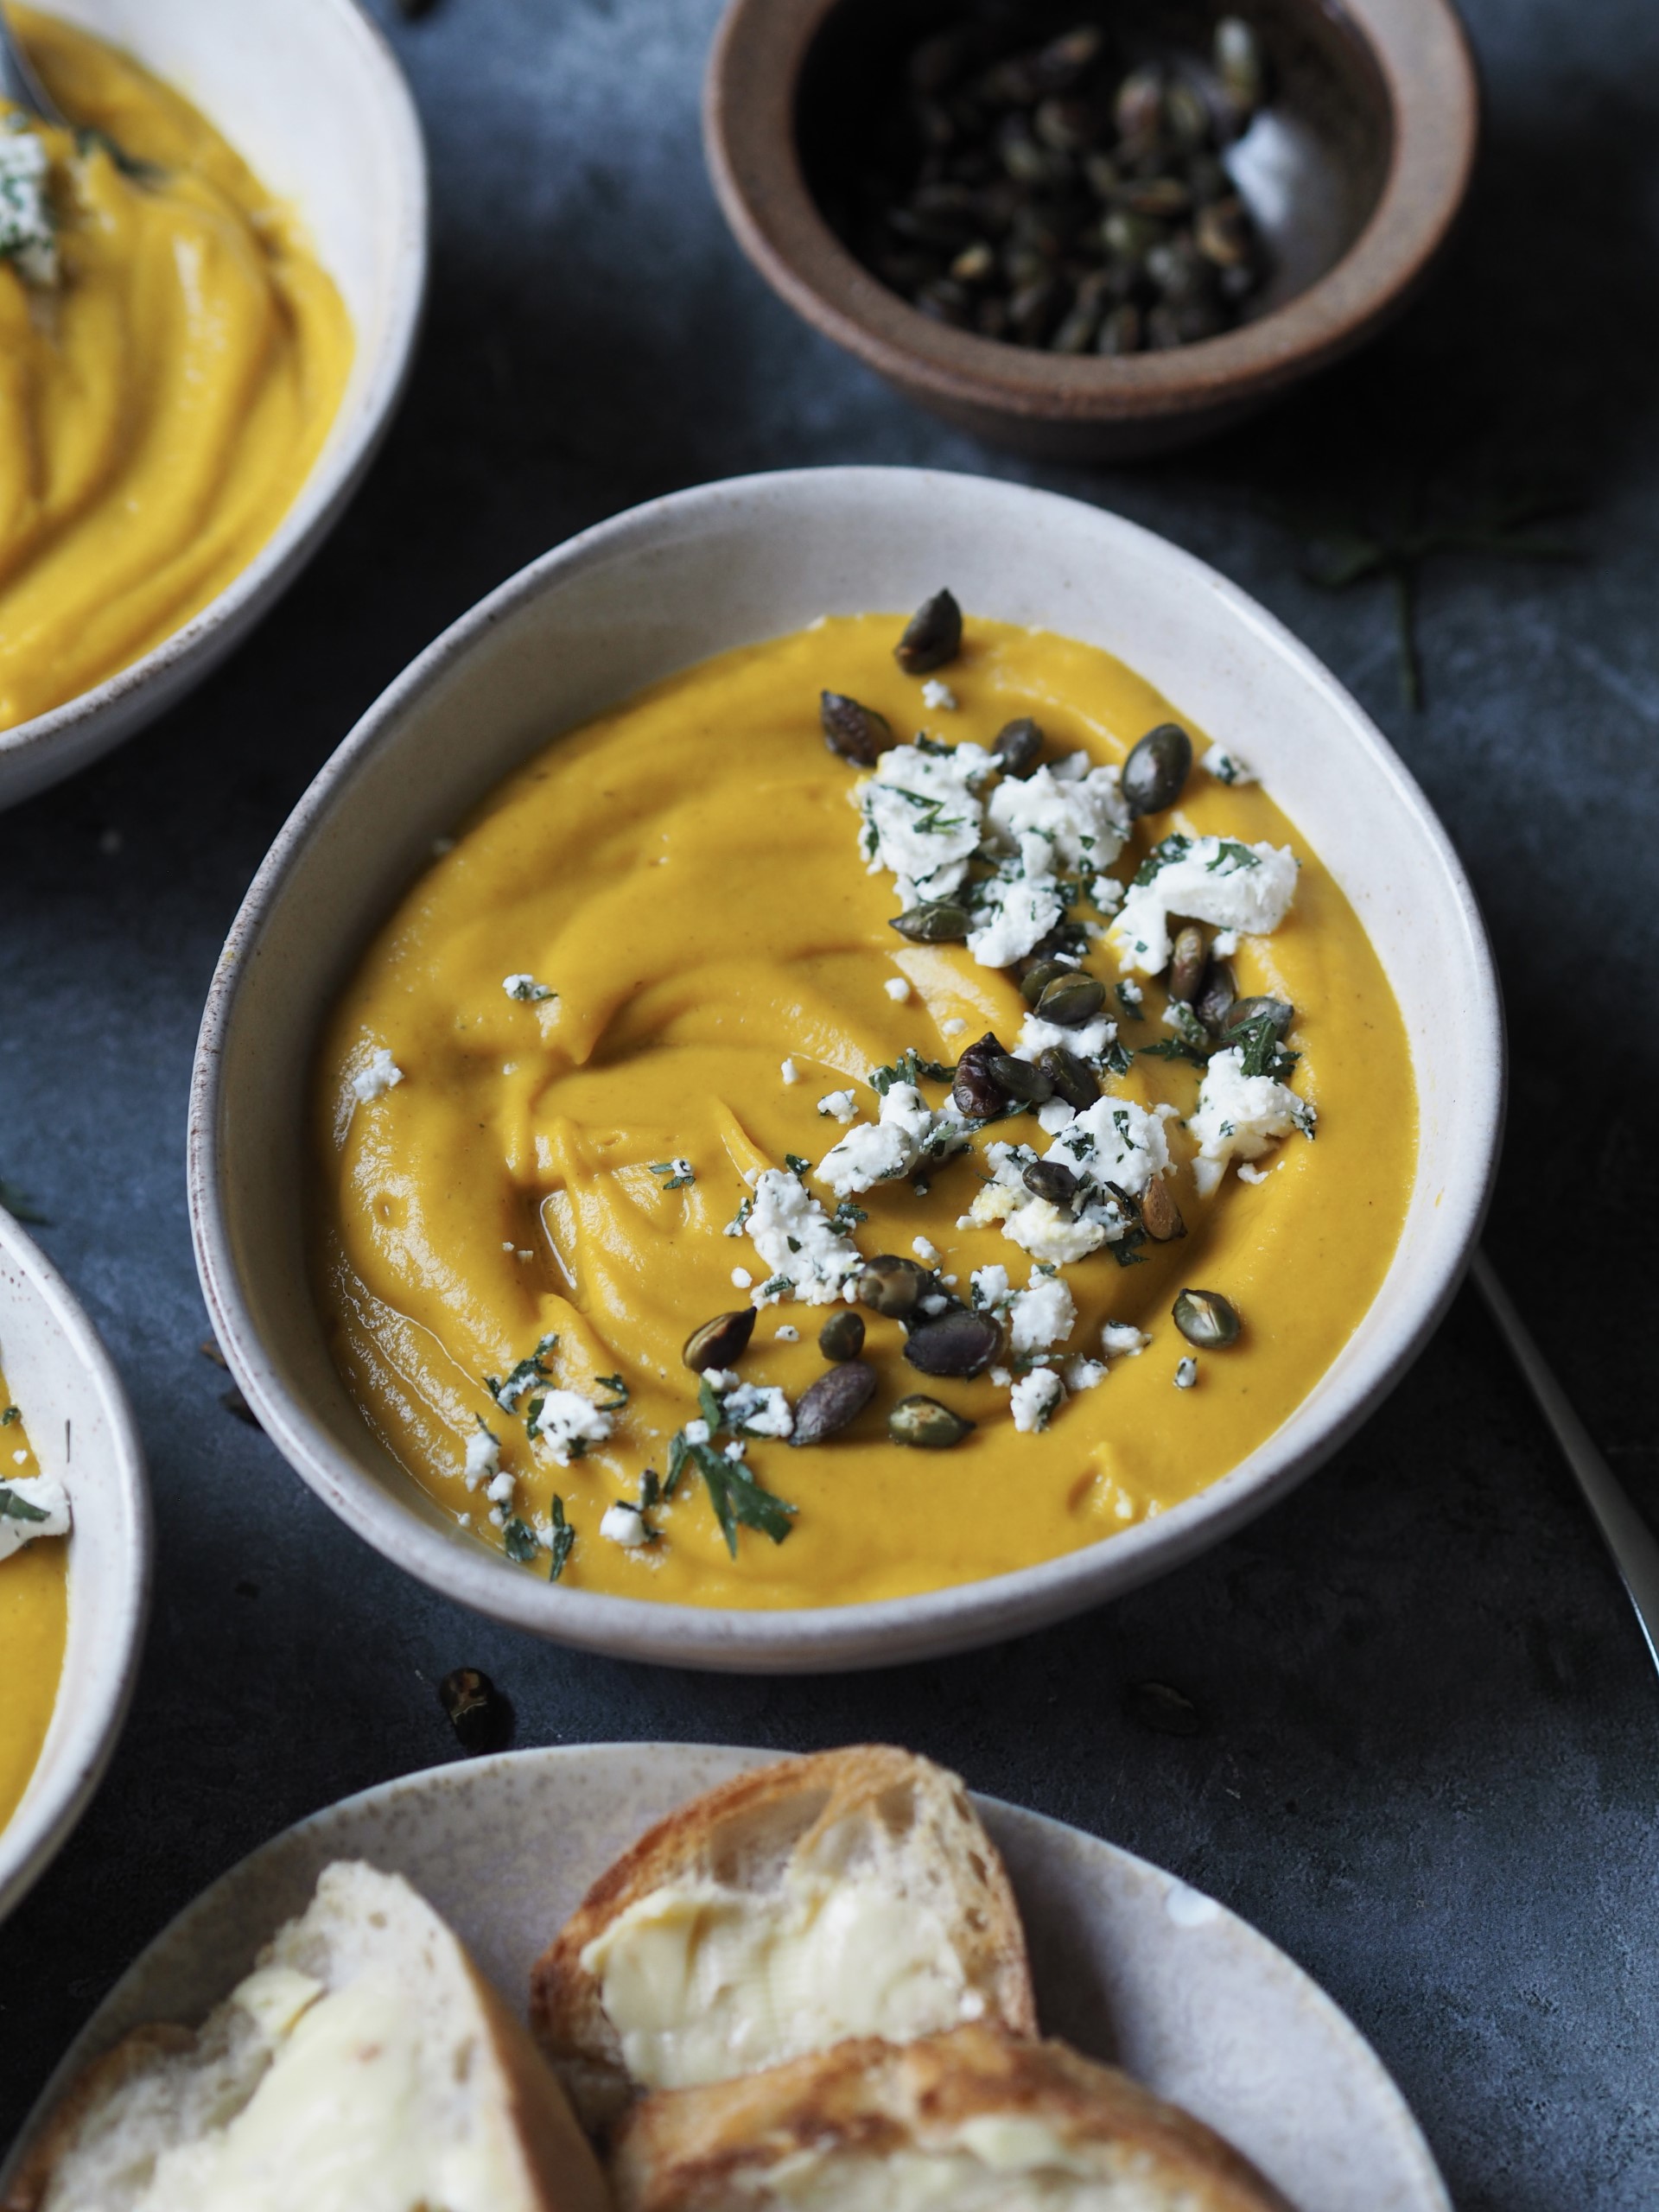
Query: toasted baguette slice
[(852, 1893), (364, 2065), (971, 2121)]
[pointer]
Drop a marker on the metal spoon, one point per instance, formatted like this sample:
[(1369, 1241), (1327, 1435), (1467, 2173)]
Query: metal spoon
[(1625, 1533), (18, 81)]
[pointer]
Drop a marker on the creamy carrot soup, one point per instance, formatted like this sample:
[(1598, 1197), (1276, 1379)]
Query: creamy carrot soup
[(1037, 1050), (34, 1602), (172, 354)]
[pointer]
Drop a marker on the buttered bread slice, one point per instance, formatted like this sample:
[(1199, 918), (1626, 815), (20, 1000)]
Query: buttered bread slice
[(850, 1893), (970, 2121), (363, 2066)]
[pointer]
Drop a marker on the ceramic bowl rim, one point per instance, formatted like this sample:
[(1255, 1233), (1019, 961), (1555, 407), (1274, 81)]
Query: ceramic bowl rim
[(751, 147), (827, 1638), (28, 748), (47, 1812)]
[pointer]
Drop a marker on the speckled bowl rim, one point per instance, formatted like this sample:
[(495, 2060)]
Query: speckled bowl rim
[(214, 1938), (36, 753), (72, 1766), (829, 1637), (1420, 54)]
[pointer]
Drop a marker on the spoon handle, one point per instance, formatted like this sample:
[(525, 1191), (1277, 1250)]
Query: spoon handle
[(1625, 1533)]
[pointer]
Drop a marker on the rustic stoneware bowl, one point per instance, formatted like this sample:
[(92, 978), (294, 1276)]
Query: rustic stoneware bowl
[(620, 606), (309, 93), (83, 1431), (1130, 1963), (1353, 173)]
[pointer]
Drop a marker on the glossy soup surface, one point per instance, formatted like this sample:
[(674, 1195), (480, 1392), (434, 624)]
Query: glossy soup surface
[(684, 872)]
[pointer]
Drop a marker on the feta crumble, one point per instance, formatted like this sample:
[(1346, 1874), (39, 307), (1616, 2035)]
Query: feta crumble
[(925, 1250), (1239, 1115), (483, 1458), (923, 821), (696, 1432), (896, 988), (758, 1410), (1014, 913), (1216, 879), (27, 236), (741, 1279), (1187, 1374), (839, 1106), (940, 696), (1035, 1399), (954, 1027), (42, 1494), (526, 989), (789, 1071), (1076, 810), (379, 1074), (884, 1150), (1090, 1040), (1040, 1315), (1122, 1340), (568, 1423), (1227, 768), (1114, 1141), (793, 1234), (988, 1289), (786, 1335), (625, 1525), (1084, 1374)]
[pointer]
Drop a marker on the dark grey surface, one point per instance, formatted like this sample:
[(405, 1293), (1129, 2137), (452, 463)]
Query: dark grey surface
[(1427, 1765)]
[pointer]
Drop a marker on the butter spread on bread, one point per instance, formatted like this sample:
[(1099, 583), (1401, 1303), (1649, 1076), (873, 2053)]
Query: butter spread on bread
[(362, 2067), (851, 1893)]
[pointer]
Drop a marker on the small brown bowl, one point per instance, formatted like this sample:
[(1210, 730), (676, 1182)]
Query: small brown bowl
[(1371, 139)]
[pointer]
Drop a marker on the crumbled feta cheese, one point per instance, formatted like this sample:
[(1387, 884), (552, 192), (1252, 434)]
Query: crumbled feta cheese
[(896, 988), (1122, 1340), (1014, 914), (696, 1432), (935, 1303), (1114, 1141), (1226, 767), (527, 990), (1187, 1374), (923, 820), (1001, 1375), (721, 1378), (741, 1279), (1040, 1315), (497, 1517), (989, 1289), (1216, 879), (1090, 1040), (786, 1335), (839, 1106), (26, 232), (1107, 893), (625, 1525), (568, 1424), (379, 1074), (1035, 1399), (1246, 1174), (939, 696), (483, 1457), (925, 1250), (42, 1494), (1079, 811), (499, 1489), (953, 1027), (1084, 1374), (1224, 943), (882, 1151), (793, 1234), (1055, 1115), (757, 1410), (789, 1071), (1239, 1115)]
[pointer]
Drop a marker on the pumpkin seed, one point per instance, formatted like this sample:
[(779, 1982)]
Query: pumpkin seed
[(1160, 1215), (892, 1286), (1214, 1003), (842, 1336), (1186, 964), (1206, 1319), (936, 921), (1156, 771), (719, 1342), (957, 1344), (1040, 974), (1018, 744), (1019, 1080), (838, 1396), (926, 1424), (1071, 999), (858, 734), (933, 636), (1245, 1011), (1047, 1178), (1073, 1079), (974, 1090)]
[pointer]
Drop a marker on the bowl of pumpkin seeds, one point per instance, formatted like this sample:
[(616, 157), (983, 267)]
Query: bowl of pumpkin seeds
[(1092, 228)]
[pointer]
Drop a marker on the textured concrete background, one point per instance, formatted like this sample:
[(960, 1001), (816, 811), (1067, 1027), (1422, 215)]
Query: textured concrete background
[(1427, 1765)]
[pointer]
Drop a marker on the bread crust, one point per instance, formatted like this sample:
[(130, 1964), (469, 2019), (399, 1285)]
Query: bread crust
[(134, 2052), (684, 2150), (788, 1806)]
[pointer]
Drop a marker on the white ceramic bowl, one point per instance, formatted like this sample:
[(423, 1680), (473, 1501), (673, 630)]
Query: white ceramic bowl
[(625, 604), (82, 1430), (310, 94), (1130, 1963)]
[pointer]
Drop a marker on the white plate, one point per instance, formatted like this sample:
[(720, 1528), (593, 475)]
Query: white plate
[(310, 94), (83, 1431), (1131, 1964), (626, 603)]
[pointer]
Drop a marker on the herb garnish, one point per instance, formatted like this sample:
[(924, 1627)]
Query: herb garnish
[(1132, 999), (738, 1498), (613, 1383), (678, 1172), (910, 1067), (564, 1538), (13, 1508), (9, 1415), (797, 1166), (846, 1216), (506, 1391), (1163, 854), (1173, 1048), (1229, 848), (1258, 1040), (522, 1543), (1117, 1058)]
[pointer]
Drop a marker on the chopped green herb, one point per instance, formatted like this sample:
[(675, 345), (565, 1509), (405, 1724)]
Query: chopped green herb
[(506, 1391), (564, 1538), (911, 1068), (616, 1384), (710, 1406), (13, 1508), (520, 1540), (1229, 848), (797, 1166), (678, 1172), (9, 1415), (1187, 1026), (678, 1453), (1258, 1040), (1171, 1048), (1162, 855), (1127, 1248), (737, 1498), (846, 1216), (1132, 999), (1118, 1058), (738, 1221)]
